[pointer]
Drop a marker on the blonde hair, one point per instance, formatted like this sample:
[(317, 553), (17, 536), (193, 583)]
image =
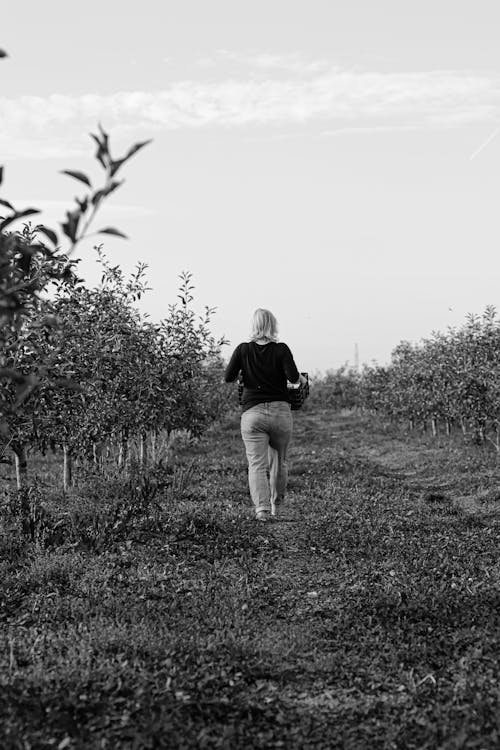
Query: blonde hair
[(264, 325)]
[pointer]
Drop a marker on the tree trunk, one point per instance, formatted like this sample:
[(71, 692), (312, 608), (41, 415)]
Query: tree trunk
[(448, 427), (21, 462), (123, 452), (434, 427), (412, 423), (143, 451), (153, 446), (463, 426), (97, 455), (67, 468)]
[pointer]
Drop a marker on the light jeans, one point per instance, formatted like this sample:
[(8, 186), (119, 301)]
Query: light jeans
[(266, 430)]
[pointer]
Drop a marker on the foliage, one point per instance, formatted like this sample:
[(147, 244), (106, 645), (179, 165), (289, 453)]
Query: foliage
[(110, 374), (450, 379), (337, 389)]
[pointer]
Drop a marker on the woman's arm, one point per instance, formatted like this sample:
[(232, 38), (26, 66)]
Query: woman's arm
[(289, 366), (234, 366)]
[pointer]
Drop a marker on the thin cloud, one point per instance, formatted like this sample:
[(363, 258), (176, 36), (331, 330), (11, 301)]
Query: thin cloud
[(265, 61), (331, 98)]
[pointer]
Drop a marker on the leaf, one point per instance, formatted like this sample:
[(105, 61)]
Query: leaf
[(100, 151), (1, 175), (100, 194), (3, 53), (48, 233), (18, 215), (83, 204), (136, 147), (70, 226), (112, 230), (104, 141), (112, 186), (103, 133), (6, 203), (114, 166), (77, 176), (97, 197)]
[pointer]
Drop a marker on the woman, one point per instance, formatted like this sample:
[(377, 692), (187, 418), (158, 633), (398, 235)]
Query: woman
[(266, 420)]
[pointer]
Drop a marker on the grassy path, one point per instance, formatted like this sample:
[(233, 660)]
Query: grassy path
[(372, 621)]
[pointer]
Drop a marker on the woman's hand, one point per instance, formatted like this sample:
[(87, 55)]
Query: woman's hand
[(301, 381)]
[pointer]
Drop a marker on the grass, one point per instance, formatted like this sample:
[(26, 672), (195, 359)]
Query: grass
[(372, 622)]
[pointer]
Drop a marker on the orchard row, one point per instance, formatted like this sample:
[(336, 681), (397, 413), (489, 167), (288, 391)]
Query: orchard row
[(449, 380), (92, 374)]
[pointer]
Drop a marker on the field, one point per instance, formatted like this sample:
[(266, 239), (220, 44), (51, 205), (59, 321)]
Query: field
[(371, 620)]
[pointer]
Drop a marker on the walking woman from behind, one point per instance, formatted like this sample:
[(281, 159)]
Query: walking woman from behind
[(266, 420)]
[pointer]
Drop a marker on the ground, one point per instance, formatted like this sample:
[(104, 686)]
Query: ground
[(371, 620)]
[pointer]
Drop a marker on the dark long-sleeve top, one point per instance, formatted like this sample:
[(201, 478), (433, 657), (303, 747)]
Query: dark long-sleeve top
[(265, 368)]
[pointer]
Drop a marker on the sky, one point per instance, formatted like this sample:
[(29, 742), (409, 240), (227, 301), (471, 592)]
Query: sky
[(335, 162)]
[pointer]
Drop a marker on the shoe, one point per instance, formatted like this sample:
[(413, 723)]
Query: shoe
[(280, 510), (263, 515)]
